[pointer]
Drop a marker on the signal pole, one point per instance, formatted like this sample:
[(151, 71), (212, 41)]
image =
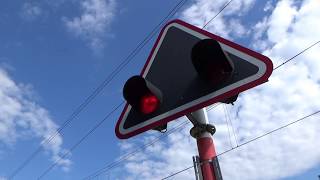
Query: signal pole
[(202, 132)]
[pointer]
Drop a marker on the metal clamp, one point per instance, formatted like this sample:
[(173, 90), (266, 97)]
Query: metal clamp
[(199, 129)]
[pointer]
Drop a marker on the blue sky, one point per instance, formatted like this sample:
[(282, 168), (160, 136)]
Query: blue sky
[(54, 54)]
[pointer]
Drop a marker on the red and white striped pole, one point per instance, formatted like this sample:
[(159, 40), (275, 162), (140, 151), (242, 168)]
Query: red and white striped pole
[(205, 145)]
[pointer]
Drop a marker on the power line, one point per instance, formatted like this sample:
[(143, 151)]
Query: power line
[(81, 140), (107, 81), (301, 52), (214, 106), (97, 91), (116, 163), (128, 155), (203, 27), (109, 78), (230, 121), (226, 118), (171, 175), (270, 132), (227, 4), (288, 60), (177, 7), (233, 148), (132, 153), (252, 140)]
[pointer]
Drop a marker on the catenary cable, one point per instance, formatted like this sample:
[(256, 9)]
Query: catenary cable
[(316, 112), (227, 123), (81, 140), (178, 172), (301, 52), (97, 91), (227, 4), (128, 155), (213, 106), (286, 61), (132, 153), (232, 127), (252, 140)]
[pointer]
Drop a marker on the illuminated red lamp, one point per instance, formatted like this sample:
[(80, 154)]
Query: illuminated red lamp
[(149, 103), (142, 95)]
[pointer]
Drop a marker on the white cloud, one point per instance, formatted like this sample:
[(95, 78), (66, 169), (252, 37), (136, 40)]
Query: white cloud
[(280, 22), (93, 23), (21, 117), (268, 6), (201, 11), (238, 30), (161, 158), (30, 11), (292, 92), (258, 32)]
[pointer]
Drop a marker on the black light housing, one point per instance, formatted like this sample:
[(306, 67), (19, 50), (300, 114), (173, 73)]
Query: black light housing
[(211, 62)]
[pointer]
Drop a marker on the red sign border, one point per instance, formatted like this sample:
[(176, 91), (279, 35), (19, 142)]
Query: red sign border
[(264, 78)]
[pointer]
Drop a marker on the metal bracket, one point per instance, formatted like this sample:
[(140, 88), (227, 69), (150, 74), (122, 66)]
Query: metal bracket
[(197, 167), (199, 129), (162, 128)]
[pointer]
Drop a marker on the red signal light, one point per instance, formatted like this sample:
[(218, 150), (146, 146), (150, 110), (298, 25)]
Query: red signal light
[(142, 95), (149, 103)]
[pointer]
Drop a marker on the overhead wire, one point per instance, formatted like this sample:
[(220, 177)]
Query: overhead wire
[(105, 82), (281, 64), (124, 157), (132, 153), (110, 166), (178, 172), (213, 106), (97, 90), (232, 127), (128, 155), (218, 104), (252, 140), (274, 68), (127, 60), (81, 140), (301, 52), (226, 119), (270, 132), (259, 137), (227, 4)]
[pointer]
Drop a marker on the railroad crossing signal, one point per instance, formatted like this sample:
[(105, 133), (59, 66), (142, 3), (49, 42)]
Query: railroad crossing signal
[(188, 69)]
